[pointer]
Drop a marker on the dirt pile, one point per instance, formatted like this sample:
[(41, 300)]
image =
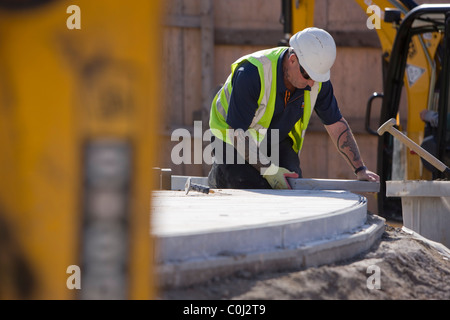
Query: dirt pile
[(400, 266)]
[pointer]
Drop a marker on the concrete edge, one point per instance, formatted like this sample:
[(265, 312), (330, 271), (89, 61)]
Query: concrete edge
[(316, 253), (417, 188), (262, 237)]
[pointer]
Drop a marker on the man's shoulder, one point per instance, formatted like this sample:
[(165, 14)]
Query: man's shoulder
[(327, 85), (246, 71)]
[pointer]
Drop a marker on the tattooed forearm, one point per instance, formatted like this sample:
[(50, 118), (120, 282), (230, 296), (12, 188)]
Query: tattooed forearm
[(346, 145)]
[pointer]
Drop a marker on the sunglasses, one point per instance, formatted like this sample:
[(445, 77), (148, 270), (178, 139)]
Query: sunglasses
[(304, 73)]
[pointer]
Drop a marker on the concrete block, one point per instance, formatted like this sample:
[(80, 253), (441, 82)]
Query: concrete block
[(425, 207)]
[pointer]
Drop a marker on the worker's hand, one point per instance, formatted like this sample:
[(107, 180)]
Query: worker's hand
[(423, 114), (276, 177), (430, 116), (367, 175)]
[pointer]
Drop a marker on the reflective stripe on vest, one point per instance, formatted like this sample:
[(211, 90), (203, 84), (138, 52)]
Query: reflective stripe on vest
[(266, 61)]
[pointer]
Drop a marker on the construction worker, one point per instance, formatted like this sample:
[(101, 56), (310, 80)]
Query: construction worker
[(430, 140), (267, 101)]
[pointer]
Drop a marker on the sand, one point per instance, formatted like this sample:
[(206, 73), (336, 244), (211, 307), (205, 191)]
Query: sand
[(400, 266)]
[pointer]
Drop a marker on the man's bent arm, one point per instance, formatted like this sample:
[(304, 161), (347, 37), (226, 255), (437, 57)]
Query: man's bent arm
[(251, 152), (345, 142)]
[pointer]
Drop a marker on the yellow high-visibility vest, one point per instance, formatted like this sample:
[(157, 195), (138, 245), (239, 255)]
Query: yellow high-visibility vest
[(266, 61)]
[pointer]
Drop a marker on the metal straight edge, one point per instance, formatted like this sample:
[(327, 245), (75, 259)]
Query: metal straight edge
[(334, 184)]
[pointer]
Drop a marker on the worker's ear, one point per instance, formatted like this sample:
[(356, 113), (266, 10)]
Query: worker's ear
[(292, 58)]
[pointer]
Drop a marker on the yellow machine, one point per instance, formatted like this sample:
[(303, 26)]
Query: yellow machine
[(421, 61), (415, 68), (79, 104), (419, 79), (296, 15)]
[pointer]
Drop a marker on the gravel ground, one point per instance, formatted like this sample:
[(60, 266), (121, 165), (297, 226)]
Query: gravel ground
[(399, 266)]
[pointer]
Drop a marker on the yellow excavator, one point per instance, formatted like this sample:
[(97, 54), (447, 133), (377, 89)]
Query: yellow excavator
[(414, 51)]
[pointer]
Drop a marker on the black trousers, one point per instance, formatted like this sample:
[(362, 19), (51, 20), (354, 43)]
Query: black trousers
[(239, 175)]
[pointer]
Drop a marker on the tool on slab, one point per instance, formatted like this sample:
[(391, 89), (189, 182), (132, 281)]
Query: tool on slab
[(388, 126), (195, 187)]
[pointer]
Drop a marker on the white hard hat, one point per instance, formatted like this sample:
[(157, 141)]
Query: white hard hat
[(316, 52)]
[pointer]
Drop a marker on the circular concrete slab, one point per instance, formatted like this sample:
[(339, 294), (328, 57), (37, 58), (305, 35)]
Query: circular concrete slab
[(198, 225), (194, 232)]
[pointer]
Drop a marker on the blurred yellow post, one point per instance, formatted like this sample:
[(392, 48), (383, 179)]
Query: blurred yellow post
[(79, 100), (302, 15)]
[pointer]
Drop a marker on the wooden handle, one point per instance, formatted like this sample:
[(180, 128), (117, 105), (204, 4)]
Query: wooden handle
[(418, 149)]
